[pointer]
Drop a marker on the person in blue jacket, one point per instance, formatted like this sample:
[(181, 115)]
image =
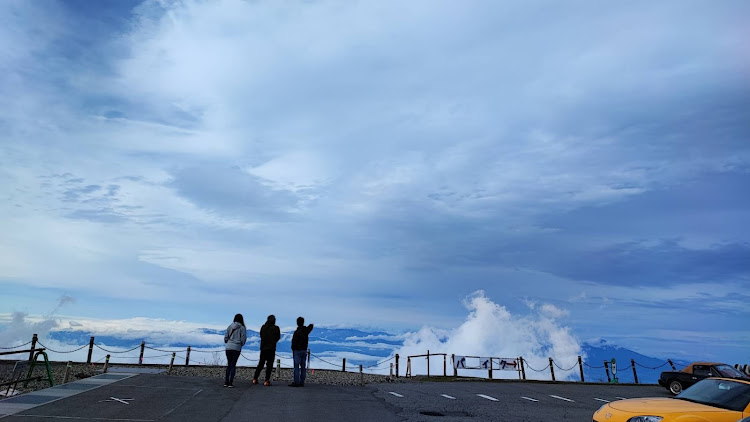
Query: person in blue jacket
[(235, 338)]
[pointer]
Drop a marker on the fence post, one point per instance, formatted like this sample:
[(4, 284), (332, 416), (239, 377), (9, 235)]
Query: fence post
[(490, 369), (668, 360), (635, 375), (343, 365), (523, 368), (308, 360), (606, 368), (391, 370), (143, 346), (428, 362), (580, 367), (361, 376), (453, 362), (408, 367), (68, 368), (278, 369), (34, 338), (91, 349), (552, 369), (396, 365), (171, 363), (106, 364), (187, 357), (445, 365)]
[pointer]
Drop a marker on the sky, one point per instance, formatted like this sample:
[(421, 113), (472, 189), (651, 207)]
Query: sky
[(382, 164)]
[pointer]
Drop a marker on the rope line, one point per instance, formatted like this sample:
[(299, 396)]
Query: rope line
[(323, 360), (593, 367), (115, 351), (57, 351), (564, 370), (536, 370), (381, 362), (20, 345), (655, 367)]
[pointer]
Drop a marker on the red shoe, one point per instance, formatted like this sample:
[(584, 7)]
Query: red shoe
[(267, 383), (255, 381)]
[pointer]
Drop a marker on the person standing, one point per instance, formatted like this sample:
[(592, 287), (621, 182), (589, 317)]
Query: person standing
[(235, 338), (269, 336), (299, 352)]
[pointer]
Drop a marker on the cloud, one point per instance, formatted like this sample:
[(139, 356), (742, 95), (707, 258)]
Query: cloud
[(377, 153), (491, 331)]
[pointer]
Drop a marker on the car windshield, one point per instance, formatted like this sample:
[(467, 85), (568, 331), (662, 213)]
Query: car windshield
[(725, 394), (728, 371)]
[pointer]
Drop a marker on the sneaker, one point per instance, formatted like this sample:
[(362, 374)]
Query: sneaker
[(294, 384), (230, 386), (267, 383), (255, 381), (226, 385)]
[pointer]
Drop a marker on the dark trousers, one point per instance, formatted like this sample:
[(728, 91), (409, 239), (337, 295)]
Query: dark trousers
[(232, 356), (266, 356)]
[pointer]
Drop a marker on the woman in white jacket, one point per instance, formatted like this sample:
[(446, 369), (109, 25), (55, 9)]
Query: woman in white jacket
[(235, 338)]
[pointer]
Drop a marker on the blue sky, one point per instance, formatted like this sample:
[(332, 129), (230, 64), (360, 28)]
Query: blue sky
[(375, 163)]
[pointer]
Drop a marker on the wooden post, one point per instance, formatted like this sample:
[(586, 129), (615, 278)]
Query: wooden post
[(552, 369), (580, 367), (668, 360), (408, 367), (34, 339), (445, 365), (396, 365), (140, 359), (343, 365), (490, 369), (187, 357), (635, 374), (68, 368), (106, 364), (606, 368), (308, 360), (453, 362), (278, 369), (428, 362), (391, 370), (523, 368), (91, 349), (171, 363), (361, 376)]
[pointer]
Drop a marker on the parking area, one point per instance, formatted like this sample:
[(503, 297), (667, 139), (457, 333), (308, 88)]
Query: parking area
[(507, 402), (150, 397)]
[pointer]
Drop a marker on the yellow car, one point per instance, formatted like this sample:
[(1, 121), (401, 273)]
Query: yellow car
[(709, 400)]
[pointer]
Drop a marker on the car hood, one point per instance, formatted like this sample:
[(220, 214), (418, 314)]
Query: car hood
[(660, 406)]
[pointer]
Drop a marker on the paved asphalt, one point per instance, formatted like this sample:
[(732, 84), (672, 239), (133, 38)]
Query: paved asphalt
[(148, 397)]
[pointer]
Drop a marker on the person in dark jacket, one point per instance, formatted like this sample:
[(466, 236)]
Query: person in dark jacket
[(269, 336), (235, 338), (299, 352)]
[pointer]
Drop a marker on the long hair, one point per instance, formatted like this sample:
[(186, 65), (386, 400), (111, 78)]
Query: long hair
[(238, 318)]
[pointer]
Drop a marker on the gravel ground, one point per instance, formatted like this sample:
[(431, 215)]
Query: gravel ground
[(79, 370), (244, 374)]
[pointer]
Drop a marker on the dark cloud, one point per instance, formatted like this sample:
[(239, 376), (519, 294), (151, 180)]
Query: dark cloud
[(230, 191)]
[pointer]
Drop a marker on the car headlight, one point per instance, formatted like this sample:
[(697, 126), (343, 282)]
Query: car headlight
[(645, 419)]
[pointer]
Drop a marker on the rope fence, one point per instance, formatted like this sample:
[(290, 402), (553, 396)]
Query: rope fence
[(285, 361)]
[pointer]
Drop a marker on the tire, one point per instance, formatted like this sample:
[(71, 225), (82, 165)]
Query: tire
[(675, 387)]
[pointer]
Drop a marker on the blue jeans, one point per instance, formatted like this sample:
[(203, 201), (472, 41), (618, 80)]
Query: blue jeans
[(300, 361)]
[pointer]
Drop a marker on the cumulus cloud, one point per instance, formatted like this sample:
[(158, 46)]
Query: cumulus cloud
[(490, 330)]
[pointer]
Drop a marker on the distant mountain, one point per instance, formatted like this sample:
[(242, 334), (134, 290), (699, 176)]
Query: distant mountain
[(648, 368)]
